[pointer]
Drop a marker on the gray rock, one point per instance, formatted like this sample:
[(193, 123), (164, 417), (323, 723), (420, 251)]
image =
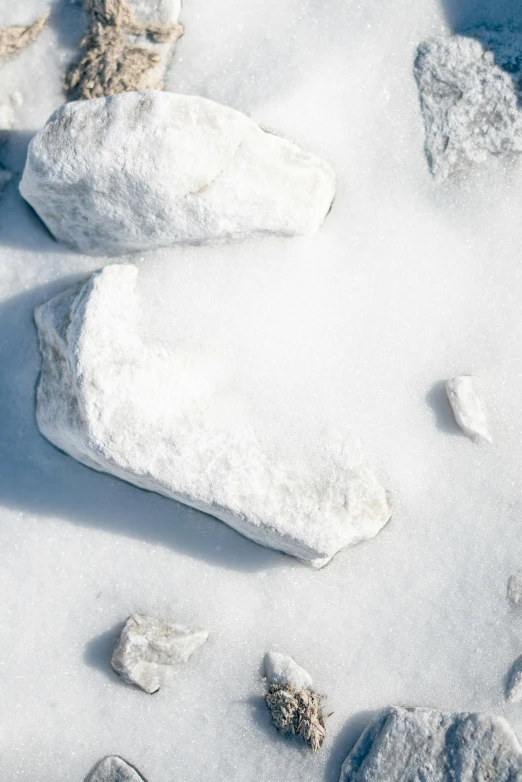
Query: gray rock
[(114, 769), (149, 169), (147, 644), (469, 98), (424, 745)]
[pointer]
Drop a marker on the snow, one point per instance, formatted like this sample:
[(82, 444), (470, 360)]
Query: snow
[(406, 283), (282, 669), (421, 744), (149, 169)]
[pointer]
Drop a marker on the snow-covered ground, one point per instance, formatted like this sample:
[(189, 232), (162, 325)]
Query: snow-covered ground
[(406, 284)]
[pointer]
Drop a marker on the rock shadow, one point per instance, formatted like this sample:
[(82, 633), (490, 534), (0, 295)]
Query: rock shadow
[(98, 651), (344, 742), (444, 419)]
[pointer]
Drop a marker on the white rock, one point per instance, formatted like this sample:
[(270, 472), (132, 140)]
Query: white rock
[(514, 589), (150, 169), (468, 408), (423, 745), (469, 98), (172, 422), (147, 644), (282, 669), (114, 769), (514, 682)]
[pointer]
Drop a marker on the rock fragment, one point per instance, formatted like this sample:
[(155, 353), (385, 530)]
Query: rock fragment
[(111, 62), (514, 682), (282, 669), (150, 169), (514, 589), (469, 97), (297, 712), (407, 745), (169, 421), (468, 407), (114, 769), (147, 644)]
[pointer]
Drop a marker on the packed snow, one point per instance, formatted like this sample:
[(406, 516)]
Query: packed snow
[(283, 669), (353, 330)]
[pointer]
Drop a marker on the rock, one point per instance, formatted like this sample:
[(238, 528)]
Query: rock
[(114, 769), (468, 407), (149, 169), (514, 589), (282, 669), (514, 682), (469, 98), (172, 422), (146, 644), (410, 745)]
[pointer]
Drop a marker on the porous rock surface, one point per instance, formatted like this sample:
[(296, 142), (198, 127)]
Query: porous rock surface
[(470, 99), (468, 407), (114, 769), (282, 669), (147, 644), (416, 745), (170, 422), (148, 169)]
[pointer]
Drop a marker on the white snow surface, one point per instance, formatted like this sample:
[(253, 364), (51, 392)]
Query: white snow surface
[(173, 421), (406, 282), (283, 669), (141, 170), (410, 745), (468, 406)]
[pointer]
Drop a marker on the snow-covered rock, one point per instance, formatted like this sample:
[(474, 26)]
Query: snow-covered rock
[(514, 682), (469, 98), (149, 169), (514, 589), (147, 644), (282, 669), (172, 422), (114, 769), (468, 407), (410, 745)]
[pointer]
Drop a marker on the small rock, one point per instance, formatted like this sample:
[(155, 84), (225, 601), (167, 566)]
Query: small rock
[(297, 712), (282, 669), (168, 421), (150, 169), (468, 407), (469, 97), (114, 769), (514, 589), (147, 643), (410, 745), (514, 682)]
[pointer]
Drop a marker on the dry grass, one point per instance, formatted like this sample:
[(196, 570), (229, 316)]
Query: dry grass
[(297, 712), (110, 63), (12, 39)]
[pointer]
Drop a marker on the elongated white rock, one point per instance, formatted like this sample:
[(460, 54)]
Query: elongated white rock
[(150, 169), (424, 745), (114, 769), (469, 96), (467, 406), (147, 644), (282, 669), (514, 589), (172, 422)]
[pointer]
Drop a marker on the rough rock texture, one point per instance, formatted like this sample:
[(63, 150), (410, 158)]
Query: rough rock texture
[(147, 644), (468, 407), (114, 769), (173, 423), (149, 169), (298, 713), (13, 39), (111, 62), (514, 589), (469, 96), (514, 682), (423, 745), (282, 669)]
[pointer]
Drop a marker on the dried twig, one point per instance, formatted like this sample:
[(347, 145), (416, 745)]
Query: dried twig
[(12, 39), (110, 63), (297, 712)]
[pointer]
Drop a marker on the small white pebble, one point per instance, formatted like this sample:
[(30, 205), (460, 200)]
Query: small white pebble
[(467, 406)]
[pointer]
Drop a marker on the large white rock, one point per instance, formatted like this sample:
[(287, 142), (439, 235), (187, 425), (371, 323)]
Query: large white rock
[(147, 644), (150, 169), (172, 422), (469, 98), (468, 407), (114, 769), (282, 669), (423, 745)]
